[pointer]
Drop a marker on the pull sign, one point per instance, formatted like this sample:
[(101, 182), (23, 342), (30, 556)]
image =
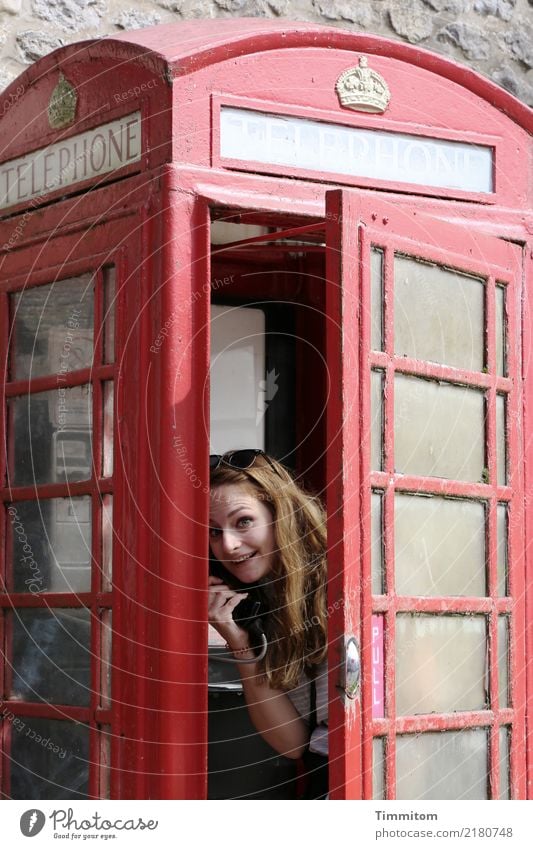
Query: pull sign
[(352, 668)]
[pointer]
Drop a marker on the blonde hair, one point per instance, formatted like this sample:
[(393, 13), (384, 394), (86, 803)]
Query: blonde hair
[(296, 624)]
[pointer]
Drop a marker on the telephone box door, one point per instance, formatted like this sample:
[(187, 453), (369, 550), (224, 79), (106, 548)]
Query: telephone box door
[(425, 516), (65, 638)]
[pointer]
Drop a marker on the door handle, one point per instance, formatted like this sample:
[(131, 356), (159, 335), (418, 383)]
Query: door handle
[(351, 668)]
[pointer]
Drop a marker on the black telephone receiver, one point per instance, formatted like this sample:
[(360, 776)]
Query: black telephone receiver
[(249, 611)]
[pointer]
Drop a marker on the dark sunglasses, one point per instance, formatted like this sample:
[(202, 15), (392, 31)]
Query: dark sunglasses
[(241, 460)]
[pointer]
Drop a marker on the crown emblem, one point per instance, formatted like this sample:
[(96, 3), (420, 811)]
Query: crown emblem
[(62, 106), (363, 89)]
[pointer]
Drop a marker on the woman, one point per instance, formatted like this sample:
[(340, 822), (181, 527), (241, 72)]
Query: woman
[(268, 542)]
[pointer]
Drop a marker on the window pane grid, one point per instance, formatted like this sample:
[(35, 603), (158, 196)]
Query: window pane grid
[(439, 314), (502, 550), (501, 330), (492, 491), (24, 385), (376, 298), (52, 328), (504, 762), (35, 771)]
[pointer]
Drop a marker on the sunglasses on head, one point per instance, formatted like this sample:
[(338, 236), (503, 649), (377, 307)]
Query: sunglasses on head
[(241, 460)]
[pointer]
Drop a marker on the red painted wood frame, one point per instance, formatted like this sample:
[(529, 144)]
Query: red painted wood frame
[(527, 348), (158, 711), (97, 714), (104, 252), (354, 226)]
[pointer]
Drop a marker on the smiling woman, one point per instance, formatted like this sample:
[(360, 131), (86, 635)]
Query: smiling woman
[(268, 542), (242, 534)]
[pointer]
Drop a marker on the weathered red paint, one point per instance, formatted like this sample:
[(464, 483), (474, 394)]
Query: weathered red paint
[(496, 261), (153, 223)]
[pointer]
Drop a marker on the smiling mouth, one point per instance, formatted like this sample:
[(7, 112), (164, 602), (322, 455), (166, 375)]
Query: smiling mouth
[(244, 559)]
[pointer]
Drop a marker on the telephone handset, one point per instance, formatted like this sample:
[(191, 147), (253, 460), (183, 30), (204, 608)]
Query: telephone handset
[(248, 613)]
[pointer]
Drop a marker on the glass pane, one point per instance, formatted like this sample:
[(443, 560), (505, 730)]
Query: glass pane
[(438, 429), (502, 589), (52, 329), (503, 661), (440, 663), (376, 299), (106, 625), (501, 450), (50, 436), (109, 313), (378, 577), (49, 759), (107, 542), (505, 767), (105, 762), (501, 367), (376, 411), (51, 544), (51, 656), (378, 666), (442, 765), (439, 546), (438, 314), (107, 454), (378, 768)]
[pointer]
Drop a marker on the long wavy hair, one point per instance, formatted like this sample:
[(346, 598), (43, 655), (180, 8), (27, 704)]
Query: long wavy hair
[(295, 591)]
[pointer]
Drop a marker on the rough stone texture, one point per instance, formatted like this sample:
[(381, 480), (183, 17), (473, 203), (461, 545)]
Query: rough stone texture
[(495, 37), (500, 8), (34, 45), (171, 5), (232, 5), (12, 7), (470, 39), (6, 78), (134, 19), (281, 7), (520, 43), (196, 9), (455, 6), (346, 10), (520, 87), (411, 19), (70, 14)]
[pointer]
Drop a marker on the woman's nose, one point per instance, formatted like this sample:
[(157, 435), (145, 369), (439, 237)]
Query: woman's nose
[(230, 542)]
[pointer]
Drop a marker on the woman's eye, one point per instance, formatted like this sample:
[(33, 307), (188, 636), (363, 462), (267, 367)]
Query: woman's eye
[(245, 521), (214, 532)]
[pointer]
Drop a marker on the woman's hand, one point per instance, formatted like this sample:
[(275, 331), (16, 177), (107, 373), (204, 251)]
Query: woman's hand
[(271, 711), (222, 602)]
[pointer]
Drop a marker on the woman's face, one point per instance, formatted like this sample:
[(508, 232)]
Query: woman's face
[(241, 532)]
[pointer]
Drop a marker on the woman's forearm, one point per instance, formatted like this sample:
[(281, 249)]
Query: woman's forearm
[(273, 714), (271, 711)]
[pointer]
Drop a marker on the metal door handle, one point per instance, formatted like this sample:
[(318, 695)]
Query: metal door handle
[(352, 668)]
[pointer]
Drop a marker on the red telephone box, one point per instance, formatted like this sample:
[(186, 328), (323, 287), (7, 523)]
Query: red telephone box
[(390, 195)]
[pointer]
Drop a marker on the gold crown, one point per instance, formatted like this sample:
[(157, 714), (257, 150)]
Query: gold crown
[(62, 106), (363, 89)]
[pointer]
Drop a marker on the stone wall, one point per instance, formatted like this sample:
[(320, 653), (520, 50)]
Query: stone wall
[(494, 37)]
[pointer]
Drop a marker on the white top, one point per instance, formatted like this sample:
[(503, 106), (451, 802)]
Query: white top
[(300, 696)]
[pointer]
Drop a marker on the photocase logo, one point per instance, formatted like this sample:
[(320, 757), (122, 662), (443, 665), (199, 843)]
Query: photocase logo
[(32, 822)]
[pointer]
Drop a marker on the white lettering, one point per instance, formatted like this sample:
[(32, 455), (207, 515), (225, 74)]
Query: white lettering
[(252, 136)]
